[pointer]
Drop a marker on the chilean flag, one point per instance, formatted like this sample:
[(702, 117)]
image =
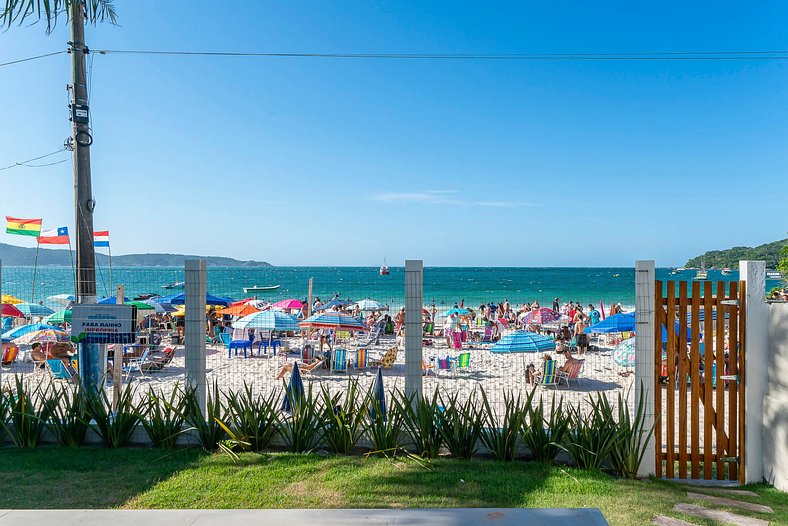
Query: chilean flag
[(101, 238), (57, 236)]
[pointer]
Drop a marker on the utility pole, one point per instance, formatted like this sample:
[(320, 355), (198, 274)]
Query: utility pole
[(89, 354)]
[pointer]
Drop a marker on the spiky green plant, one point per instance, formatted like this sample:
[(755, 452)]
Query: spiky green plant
[(421, 419), (27, 414), (207, 426), (303, 429), (344, 415), (114, 428), (163, 416), (68, 415), (591, 435), (253, 419), (384, 431), (461, 424), (544, 437), (501, 434), (632, 437)]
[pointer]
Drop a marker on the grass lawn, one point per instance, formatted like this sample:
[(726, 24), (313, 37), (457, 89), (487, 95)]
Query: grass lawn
[(52, 477)]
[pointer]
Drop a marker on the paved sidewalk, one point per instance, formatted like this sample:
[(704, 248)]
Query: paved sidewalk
[(412, 517)]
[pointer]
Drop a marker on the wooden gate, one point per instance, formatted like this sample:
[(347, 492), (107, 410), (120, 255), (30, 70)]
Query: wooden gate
[(699, 380)]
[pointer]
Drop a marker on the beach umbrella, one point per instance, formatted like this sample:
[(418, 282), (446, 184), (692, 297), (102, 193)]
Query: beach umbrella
[(180, 299), (457, 311), (371, 305), (158, 307), (523, 342), (294, 392), (291, 303), (334, 303), (46, 335), (269, 320), (334, 320), (62, 299), (25, 329), (540, 316), (378, 401), (238, 310), (616, 323), (13, 300), (34, 309), (112, 300), (61, 316), (624, 353), (11, 310)]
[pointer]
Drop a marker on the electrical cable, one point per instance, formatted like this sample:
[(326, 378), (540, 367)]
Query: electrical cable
[(25, 163), (31, 58)]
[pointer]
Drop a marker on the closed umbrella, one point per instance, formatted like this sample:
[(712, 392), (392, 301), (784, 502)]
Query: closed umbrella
[(294, 393), (378, 402), (624, 353)]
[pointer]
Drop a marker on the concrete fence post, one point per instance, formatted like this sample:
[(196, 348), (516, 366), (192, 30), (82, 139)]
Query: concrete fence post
[(644, 355), (195, 291), (414, 283), (756, 356), (775, 403)]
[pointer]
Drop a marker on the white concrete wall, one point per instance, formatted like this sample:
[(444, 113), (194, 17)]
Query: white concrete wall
[(775, 403)]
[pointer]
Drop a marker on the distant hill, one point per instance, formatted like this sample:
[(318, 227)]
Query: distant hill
[(11, 256), (770, 253)]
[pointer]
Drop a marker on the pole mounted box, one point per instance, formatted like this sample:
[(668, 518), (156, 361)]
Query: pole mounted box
[(80, 113)]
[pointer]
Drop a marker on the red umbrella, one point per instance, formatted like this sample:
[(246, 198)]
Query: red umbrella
[(10, 310)]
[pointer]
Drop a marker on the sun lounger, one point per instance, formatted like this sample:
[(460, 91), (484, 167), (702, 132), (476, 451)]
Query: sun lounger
[(387, 360), (570, 372)]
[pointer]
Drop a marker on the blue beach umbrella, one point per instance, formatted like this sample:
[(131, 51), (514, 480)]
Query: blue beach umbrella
[(33, 309), (268, 320), (112, 300), (523, 342), (26, 329), (334, 320), (378, 401), (180, 299), (459, 312), (616, 323), (295, 390)]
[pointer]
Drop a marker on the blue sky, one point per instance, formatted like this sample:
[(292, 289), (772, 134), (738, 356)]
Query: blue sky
[(347, 162)]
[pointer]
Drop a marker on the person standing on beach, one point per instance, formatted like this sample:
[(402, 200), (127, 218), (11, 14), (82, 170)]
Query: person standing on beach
[(593, 315), (506, 307), (580, 335), (556, 306)]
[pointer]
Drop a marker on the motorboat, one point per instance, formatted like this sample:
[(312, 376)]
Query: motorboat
[(384, 269), (726, 272), (774, 274), (257, 288), (176, 285)]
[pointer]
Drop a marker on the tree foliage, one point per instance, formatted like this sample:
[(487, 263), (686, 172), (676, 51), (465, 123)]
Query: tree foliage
[(17, 12), (770, 253)]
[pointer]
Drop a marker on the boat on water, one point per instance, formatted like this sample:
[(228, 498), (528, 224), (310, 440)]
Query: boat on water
[(726, 272), (384, 269), (176, 285), (702, 273), (774, 274), (257, 288)]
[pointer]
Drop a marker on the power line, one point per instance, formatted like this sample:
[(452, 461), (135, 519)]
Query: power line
[(28, 59), (25, 163), (672, 55)]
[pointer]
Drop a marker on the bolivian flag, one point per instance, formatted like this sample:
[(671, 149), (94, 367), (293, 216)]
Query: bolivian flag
[(23, 227)]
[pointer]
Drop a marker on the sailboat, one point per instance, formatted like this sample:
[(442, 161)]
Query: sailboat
[(702, 273), (384, 269)]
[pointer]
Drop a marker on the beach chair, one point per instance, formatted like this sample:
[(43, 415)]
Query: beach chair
[(445, 364), (9, 355), (60, 370), (361, 359), (571, 372), (548, 376), (303, 368), (487, 338), (157, 361), (373, 337), (339, 361), (463, 362), (456, 340), (135, 365), (428, 328), (387, 360)]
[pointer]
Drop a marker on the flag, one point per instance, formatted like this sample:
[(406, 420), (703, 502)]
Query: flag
[(22, 227), (101, 238), (57, 236)]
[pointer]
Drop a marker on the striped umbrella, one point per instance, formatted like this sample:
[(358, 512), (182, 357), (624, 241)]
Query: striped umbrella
[(47, 335), (33, 309), (523, 342), (60, 316), (334, 320), (540, 316), (624, 353), (269, 320)]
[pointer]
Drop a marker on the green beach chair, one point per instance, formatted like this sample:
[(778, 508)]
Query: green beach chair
[(463, 362), (549, 376)]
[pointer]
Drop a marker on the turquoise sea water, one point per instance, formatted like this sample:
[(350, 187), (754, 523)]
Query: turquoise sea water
[(442, 285)]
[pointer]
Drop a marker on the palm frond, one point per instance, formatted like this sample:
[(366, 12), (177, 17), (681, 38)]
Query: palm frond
[(17, 12)]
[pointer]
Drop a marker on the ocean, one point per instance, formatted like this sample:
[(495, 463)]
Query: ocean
[(442, 285)]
